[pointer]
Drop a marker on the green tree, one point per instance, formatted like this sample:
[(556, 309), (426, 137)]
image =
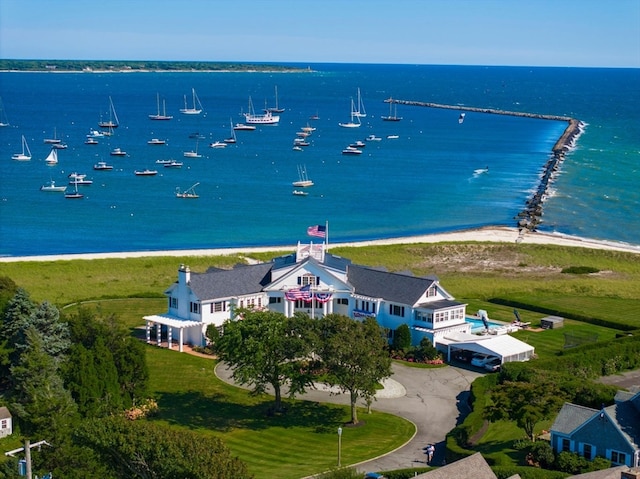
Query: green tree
[(355, 356), (401, 338), (266, 348), (140, 449)]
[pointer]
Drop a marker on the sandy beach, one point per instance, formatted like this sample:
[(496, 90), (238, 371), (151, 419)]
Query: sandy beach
[(495, 234)]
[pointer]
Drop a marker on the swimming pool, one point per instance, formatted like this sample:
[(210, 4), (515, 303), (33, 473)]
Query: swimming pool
[(477, 324)]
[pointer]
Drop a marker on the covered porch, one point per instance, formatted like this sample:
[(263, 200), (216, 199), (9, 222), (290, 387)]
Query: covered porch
[(172, 323)]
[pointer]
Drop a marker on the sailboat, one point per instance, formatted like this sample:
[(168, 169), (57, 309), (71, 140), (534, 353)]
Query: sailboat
[(352, 123), (360, 111), (74, 195), (192, 154), (4, 121), (303, 179), (275, 109), (113, 117), (26, 152), (188, 193), (52, 159), (232, 138), (267, 118), (164, 115), (194, 110), (53, 141), (394, 116)]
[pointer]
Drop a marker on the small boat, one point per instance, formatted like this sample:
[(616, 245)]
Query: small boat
[(300, 193), (314, 117), (308, 128), (74, 195), (192, 154), (480, 171), (76, 176), (163, 162), (297, 148), (173, 164), (358, 144), (194, 110), (350, 150), (156, 141), (275, 109), (51, 186), (393, 137), (302, 134), (52, 158), (102, 165), (252, 118), (26, 152), (90, 141), (394, 116), (59, 146), (196, 136), (188, 193), (242, 126), (4, 120), (360, 111), (218, 144), (373, 138), (232, 139), (303, 179), (159, 116), (118, 152), (461, 118), (300, 142), (54, 140), (113, 118), (146, 172), (353, 123), (95, 134)]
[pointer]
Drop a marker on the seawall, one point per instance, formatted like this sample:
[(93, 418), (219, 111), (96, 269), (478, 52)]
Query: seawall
[(531, 215)]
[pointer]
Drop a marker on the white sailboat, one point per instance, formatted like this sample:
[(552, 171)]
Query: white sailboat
[(303, 179), (354, 116), (26, 152), (55, 140), (360, 111), (277, 108), (159, 116), (113, 121), (194, 110), (232, 138), (4, 121), (52, 159), (392, 116), (192, 154)]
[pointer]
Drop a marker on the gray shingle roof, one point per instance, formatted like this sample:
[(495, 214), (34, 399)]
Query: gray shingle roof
[(241, 280), (392, 287), (570, 417), (4, 413), (627, 418), (473, 466)]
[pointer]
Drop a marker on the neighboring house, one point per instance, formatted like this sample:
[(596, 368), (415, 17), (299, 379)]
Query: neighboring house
[(313, 281), (6, 422), (473, 466), (612, 432)]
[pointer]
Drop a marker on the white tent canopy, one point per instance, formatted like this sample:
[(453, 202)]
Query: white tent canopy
[(505, 347)]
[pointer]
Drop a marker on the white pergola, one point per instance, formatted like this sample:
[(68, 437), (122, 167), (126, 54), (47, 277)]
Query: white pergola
[(171, 322)]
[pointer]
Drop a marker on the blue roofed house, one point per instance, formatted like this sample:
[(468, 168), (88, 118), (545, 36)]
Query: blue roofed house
[(309, 280), (612, 432)]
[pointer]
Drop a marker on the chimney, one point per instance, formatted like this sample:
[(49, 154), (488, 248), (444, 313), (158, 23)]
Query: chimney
[(631, 474), (184, 275)]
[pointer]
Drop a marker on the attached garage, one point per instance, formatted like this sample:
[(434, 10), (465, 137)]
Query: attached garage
[(505, 347)]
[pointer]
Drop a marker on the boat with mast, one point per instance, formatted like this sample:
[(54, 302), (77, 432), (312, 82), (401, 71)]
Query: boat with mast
[(355, 119), (52, 158), (4, 120), (113, 121), (192, 154), (360, 111), (252, 118), (277, 108), (232, 138), (394, 116), (53, 141), (194, 110), (159, 116), (188, 193), (75, 194), (303, 178), (26, 152)]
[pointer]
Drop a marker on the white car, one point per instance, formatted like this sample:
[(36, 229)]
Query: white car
[(493, 365), (479, 360)]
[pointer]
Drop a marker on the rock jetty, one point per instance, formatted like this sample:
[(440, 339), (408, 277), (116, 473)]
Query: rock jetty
[(531, 216)]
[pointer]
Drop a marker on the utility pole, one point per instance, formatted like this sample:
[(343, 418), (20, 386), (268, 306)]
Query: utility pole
[(27, 456)]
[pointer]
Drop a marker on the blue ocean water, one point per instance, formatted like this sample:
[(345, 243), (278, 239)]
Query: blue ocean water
[(422, 182)]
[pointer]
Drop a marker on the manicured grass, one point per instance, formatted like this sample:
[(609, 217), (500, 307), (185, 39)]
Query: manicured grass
[(301, 442)]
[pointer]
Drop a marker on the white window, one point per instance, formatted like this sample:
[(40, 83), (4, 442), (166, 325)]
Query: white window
[(173, 302), (618, 457)]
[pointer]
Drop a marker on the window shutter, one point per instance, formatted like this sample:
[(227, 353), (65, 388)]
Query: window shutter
[(299, 279)]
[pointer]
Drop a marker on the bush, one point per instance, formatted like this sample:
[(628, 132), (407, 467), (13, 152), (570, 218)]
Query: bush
[(580, 270), (401, 338), (542, 453), (524, 472)]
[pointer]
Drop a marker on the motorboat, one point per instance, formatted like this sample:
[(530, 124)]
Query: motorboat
[(51, 186), (358, 144), (76, 176), (188, 193), (102, 165), (146, 172), (243, 126), (90, 141), (373, 138), (350, 150), (300, 193), (156, 141), (173, 164), (118, 152), (218, 144)]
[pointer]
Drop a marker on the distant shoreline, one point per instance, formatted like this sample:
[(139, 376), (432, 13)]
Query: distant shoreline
[(489, 234)]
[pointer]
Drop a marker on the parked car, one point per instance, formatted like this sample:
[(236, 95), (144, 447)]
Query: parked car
[(373, 475), (493, 365), (479, 360)]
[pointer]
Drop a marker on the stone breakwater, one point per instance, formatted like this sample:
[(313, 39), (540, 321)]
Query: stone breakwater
[(531, 215)]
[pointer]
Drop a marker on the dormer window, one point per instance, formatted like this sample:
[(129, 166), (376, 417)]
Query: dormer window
[(308, 280)]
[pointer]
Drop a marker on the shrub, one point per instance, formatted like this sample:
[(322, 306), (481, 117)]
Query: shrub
[(580, 270), (401, 338), (542, 453)]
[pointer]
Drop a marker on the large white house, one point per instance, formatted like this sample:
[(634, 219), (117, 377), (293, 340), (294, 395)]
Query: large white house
[(313, 281)]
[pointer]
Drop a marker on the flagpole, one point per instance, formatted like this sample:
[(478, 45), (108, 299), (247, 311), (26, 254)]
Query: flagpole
[(326, 233)]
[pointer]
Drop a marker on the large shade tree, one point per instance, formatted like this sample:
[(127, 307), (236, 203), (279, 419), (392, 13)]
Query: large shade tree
[(355, 355), (266, 348)]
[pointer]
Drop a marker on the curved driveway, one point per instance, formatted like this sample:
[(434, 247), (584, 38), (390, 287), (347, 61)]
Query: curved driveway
[(435, 400)]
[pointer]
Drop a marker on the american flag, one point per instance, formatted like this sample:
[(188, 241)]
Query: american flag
[(303, 293), (317, 230)]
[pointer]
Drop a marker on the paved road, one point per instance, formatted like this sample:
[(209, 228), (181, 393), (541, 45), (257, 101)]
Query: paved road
[(433, 399)]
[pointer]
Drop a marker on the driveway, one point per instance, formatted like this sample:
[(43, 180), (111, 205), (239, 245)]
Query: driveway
[(435, 400)]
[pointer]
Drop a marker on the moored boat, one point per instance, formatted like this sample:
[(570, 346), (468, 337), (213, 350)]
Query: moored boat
[(118, 152), (146, 172), (102, 165), (156, 141), (51, 186), (26, 152)]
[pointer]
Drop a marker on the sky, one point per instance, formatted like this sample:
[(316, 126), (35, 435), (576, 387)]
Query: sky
[(581, 33)]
